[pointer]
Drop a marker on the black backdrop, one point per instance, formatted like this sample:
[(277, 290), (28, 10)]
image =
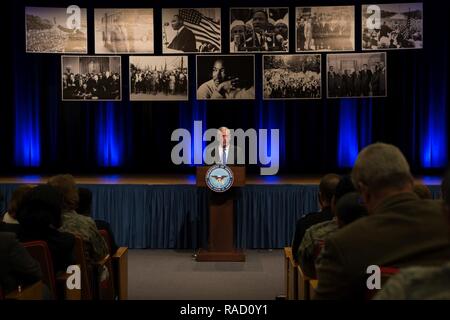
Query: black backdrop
[(41, 134)]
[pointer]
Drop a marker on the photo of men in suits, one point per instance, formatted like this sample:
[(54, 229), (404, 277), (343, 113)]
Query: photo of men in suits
[(356, 75), (264, 29), (325, 28)]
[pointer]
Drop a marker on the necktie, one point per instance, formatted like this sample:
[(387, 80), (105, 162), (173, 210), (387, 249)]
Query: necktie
[(224, 156)]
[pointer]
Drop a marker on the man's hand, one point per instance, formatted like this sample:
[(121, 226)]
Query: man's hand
[(227, 86)]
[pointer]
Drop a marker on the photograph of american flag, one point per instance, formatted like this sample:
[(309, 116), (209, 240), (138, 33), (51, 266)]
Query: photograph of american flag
[(205, 29)]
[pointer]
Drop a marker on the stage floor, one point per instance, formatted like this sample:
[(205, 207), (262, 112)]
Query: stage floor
[(185, 179)]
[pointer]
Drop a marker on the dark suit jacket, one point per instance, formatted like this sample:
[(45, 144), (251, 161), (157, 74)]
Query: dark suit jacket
[(184, 41), (305, 223), (403, 231), (17, 267)]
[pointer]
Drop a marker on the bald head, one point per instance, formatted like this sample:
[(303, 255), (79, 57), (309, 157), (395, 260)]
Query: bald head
[(380, 166)]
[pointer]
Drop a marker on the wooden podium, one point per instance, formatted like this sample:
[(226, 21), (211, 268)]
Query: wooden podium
[(221, 220)]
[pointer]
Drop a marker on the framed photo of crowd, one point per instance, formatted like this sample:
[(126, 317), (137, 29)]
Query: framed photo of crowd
[(190, 30), (325, 28), (55, 30), (392, 26), (292, 76), (259, 30), (91, 78), (356, 75), (159, 78)]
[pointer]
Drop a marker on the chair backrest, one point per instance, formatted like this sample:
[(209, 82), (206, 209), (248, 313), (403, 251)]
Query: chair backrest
[(107, 238), (86, 270), (40, 252)]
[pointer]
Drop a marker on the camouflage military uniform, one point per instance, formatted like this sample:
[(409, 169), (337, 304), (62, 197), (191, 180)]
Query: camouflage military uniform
[(85, 227), (313, 235), (418, 283)]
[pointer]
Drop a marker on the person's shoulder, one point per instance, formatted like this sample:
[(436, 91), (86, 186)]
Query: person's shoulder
[(350, 234), (417, 282), (205, 85)]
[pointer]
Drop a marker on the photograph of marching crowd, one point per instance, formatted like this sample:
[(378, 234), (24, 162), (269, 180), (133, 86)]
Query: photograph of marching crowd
[(259, 29), (356, 75), (158, 78), (55, 30), (191, 30), (91, 78), (123, 30), (325, 28), (292, 76), (400, 26)]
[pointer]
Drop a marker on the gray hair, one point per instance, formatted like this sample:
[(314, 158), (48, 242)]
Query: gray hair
[(381, 165)]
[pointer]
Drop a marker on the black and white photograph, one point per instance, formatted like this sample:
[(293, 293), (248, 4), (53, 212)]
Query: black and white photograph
[(159, 78), (259, 29), (392, 26), (123, 31), (225, 77), (96, 78), (292, 76), (356, 75), (191, 30), (325, 28), (56, 30)]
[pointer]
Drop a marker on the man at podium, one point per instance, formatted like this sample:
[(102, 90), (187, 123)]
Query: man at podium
[(227, 154)]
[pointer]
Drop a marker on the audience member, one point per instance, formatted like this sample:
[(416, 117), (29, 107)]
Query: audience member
[(308, 251), (422, 283), (327, 187), (75, 223), (17, 267), (39, 218), (401, 229)]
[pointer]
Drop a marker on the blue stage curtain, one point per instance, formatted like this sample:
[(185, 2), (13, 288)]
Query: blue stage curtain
[(266, 215), (176, 216)]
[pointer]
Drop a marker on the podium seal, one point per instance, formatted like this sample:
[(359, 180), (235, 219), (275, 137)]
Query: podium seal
[(219, 178)]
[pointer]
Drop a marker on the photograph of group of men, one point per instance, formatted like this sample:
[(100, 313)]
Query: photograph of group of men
[(259, 29), (400, 26), (158, 78), (55, 30), (356, 75), (292, 76), (91, 78), (123, 30), (191, 30), (325, 28)]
